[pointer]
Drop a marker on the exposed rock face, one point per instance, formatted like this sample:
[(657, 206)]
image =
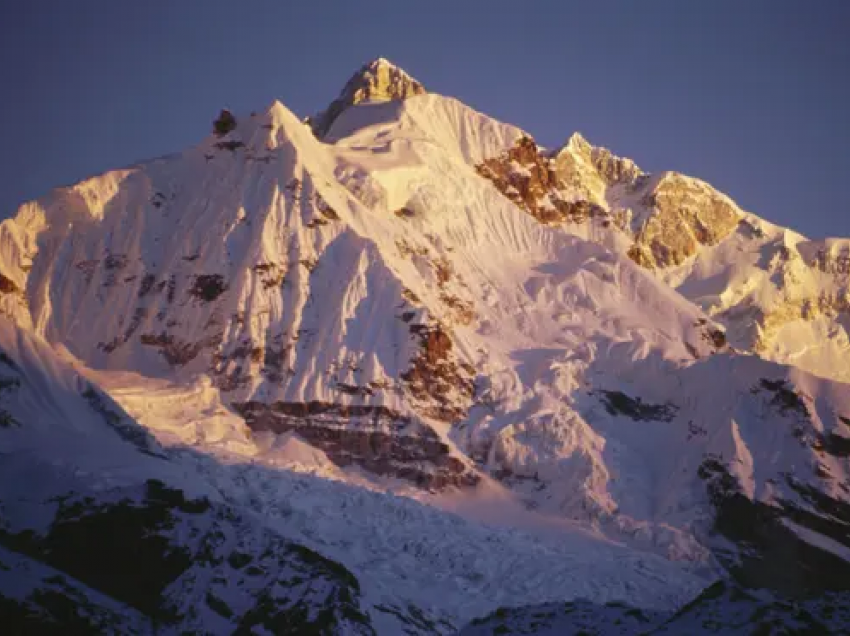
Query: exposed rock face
[(443, 387), (618, 403), (374, 437), (377, 81), (224, 124), (7, 286), (614, 169), (13, 303), (669, 216), (528, 178), (683, 215), (178, 352), (587, 171), (578, 159), (673, 215), (776, 292)]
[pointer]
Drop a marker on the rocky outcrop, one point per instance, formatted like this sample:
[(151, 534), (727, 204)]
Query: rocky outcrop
[(377, 81), (580, 163), (208, 287), (772, 554), (13, 302), (683, 214), (587, 172), (177, 352), (614, 169), (7, 286), (441, 385), (768, 321), (528, 178), (830, 257), (375, 438), (618, 403), (669, 216)]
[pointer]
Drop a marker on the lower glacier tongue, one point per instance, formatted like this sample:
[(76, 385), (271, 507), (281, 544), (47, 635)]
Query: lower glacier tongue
[(406, 551)]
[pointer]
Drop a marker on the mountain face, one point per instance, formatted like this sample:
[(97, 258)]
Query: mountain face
[(393, 342)]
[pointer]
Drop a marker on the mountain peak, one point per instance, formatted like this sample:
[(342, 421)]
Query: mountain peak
[(577, 141), (381, 61), (380, 80), (377, 81)]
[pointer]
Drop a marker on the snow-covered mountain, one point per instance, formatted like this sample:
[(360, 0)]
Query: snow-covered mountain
[(402, 335)]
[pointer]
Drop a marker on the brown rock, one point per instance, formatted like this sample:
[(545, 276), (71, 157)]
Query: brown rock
[(369, 436)]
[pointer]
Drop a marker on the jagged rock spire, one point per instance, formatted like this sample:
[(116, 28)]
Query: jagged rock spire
[(378, 81)]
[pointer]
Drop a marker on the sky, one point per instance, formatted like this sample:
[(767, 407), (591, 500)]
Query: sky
[(753, 97)]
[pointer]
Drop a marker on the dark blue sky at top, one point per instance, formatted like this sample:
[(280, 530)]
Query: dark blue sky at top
[(753, 96)]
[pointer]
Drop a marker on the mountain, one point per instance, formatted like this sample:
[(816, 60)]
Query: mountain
[(442, 368)]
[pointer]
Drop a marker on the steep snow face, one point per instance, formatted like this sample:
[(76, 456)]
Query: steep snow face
[(378, 81), (46, 409), (242, 259), (548, 420), (205, 262), (432, 125)]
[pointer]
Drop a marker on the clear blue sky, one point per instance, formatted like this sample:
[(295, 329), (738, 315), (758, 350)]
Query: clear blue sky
[(752, 96)]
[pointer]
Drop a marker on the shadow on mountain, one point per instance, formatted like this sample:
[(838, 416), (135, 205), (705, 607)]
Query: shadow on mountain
[(150, 559), (176, 562), (723, 608)]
